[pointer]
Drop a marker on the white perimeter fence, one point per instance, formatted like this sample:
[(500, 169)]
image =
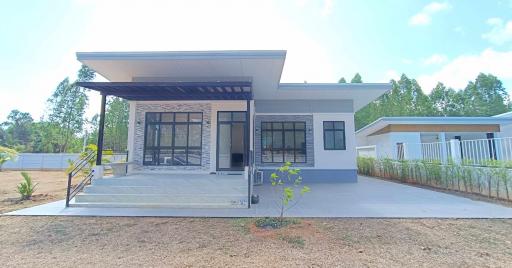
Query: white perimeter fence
[(471, 152), (48, 161)]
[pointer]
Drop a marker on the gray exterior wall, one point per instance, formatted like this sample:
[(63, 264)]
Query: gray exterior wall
[(310, 152), (143, 107), (304, 106)]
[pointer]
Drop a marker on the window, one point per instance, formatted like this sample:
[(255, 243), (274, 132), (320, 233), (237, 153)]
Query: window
[(283, 142), (334, 135), (173, 139)]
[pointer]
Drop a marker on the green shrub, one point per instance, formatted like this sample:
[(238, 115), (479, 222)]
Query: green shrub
[(26, 188), (274, 223), (6, 154)]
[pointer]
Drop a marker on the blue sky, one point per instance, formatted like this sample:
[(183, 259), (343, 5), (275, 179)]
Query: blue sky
[(447, 41)]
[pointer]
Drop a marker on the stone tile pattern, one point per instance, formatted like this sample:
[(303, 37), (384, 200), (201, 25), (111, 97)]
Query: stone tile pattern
[(310, 152), (140, 115)]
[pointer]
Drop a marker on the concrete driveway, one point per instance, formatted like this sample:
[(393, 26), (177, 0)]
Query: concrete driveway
[(369, 198)]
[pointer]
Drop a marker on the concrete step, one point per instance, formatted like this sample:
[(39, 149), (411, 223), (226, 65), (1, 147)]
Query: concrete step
[(126, 181), (157, 198), (169, 190), (160, 205)]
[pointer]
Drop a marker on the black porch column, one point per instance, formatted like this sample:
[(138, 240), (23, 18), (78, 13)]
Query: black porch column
[(248, 150), (99, 153)]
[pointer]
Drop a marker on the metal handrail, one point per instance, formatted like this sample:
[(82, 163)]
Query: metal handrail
[(78, 166)]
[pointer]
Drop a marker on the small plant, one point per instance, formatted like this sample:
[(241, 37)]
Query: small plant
[(26, 188), (274, 223), (286, 181), (6, 154), (295, 241)]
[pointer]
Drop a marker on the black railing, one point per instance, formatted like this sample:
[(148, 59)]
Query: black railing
[(78, 167)]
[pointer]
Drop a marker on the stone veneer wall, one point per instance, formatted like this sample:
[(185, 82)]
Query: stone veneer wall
[(140, 111), (310, 150)]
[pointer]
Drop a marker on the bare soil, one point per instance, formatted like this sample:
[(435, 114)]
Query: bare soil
[(51, 186), (200, 242)]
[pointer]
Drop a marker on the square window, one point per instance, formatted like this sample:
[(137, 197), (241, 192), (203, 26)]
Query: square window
[(194, 135), (266, 156), (196, 117), (334, 135), (328, 125), (181, 117), (238, 116), (277, 125), (167, 117), (165, 157), (194, 157), (180, 157), (152, 117), (224, 116), (282, 140)]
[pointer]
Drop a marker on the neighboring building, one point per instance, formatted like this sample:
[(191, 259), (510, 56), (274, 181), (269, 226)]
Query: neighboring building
[(429, 137), (226, 112), (506, 129)]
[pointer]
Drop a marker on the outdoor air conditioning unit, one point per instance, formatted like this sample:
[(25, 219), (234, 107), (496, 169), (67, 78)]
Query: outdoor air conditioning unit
[(258, 177)]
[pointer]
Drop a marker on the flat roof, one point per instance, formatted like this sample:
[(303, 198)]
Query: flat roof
[(262, 67), (429, 120)]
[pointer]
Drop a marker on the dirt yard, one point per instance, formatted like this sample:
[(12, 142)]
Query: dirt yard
[(195, 242), (51, 186)]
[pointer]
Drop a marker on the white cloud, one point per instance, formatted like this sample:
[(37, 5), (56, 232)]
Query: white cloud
[(460, 70), (500, 32), (390, 74), (327, 8), (435, 59), (424, 17), (407, 61)]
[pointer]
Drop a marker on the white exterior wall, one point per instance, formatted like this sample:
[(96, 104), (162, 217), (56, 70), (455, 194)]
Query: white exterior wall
[(412, 141), (334, 159)]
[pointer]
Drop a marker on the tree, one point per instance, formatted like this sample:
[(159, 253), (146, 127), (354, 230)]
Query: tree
[(116, 124), (445, 101), (67, 108), (357, 79), (18, 129), (485, 96), (287, 181), (342, 80)]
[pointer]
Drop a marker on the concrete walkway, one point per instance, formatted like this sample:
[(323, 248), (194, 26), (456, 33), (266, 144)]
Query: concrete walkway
[(369, 198)]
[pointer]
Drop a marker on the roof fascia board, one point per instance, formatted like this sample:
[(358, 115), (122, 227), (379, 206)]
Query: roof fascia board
[(183, 55)]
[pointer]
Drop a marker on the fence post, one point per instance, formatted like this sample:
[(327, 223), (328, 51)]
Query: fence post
[(455, 151), (444, 152)]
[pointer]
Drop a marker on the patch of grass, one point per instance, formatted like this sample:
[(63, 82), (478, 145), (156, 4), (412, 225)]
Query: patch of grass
[(275, 223), (295, 241), (242, 225)]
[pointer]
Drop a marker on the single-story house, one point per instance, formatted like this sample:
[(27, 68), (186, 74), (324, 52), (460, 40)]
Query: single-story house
[(225, 117), (429, 138)]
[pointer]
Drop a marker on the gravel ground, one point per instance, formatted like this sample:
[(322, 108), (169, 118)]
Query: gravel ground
[(51, 186), (199, 242)]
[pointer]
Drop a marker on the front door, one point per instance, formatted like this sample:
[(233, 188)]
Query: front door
[(230, 141)]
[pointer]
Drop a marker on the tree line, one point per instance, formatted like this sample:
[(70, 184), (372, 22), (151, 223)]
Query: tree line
[(485, 96), (64, 128)]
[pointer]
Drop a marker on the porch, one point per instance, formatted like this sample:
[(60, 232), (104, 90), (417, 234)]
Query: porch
[(183, 138)]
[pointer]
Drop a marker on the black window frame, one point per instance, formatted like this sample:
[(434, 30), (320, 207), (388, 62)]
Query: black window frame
[(156, 150), (334, 130), (283, 135)]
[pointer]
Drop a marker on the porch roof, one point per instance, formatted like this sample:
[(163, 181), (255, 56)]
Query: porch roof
[(149, 91)]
